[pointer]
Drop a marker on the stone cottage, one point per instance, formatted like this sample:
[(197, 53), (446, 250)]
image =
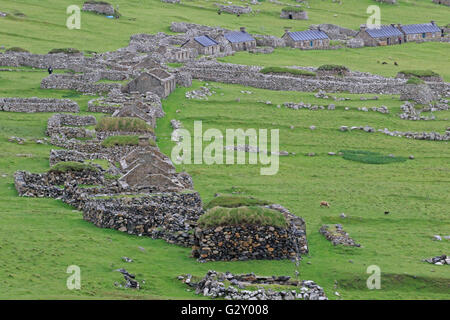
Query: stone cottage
[(156, 81), (203, 44), (293, 13), (417, 32), (381, 36), (240, 40), (309, 39)]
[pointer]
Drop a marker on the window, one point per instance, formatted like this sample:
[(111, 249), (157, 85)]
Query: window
[(310, 43), (424, 35)]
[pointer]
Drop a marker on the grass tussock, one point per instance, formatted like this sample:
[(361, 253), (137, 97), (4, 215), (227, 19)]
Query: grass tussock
[(16, 49), (419, 73), (246, 215), (370, 157), (69, 166), (234, 201), (292, 9), (113, 141), (300, 72), (64, 50), (339, 69), (125, 124)]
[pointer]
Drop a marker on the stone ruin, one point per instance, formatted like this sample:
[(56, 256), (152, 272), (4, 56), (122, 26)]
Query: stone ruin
[(419, 93), (232, 287), (337, 235)]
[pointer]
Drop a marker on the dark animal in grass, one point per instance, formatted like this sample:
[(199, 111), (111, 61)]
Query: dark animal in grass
[(324, 204), (384, 62), (50, 70), (386, 212), (395, 62), (218, 12)]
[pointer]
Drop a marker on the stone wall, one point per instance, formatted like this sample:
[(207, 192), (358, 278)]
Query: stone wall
[(169, 216), (86, 83), (250, 76), (31, 105), (59, 124)]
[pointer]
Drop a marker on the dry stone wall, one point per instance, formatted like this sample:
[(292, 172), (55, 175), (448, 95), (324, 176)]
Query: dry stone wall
[(31, 105), (251, 76), (169, 216)]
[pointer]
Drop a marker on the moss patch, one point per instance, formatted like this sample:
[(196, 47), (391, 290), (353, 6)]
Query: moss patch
[(370, 157)]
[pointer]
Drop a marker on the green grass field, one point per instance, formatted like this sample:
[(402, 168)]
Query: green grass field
[(40, 238)]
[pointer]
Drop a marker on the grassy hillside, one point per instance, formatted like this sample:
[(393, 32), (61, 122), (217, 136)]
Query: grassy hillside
[(40, 238), (44, 25)]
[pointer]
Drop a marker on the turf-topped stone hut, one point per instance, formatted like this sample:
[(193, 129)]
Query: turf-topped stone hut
[(99, 7), (246, 228), (444, 2), (294, 13)]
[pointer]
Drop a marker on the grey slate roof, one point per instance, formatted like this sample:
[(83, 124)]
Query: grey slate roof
[(307, 35), (238, 36), (420, 28), (205, 41), (384, 31)]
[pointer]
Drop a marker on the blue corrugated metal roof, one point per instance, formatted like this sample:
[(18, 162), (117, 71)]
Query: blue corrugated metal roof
[(308, 35), (384, 31), (238, 36), (205, 41), (420, 28)]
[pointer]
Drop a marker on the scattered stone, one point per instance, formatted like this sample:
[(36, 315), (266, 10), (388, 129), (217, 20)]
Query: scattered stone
[(337, 235), (439, 260), (126, 259)]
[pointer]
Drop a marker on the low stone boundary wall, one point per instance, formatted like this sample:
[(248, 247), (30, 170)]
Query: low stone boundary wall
[(31, 105), (251, 76), (57, 125), (81, 83)]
